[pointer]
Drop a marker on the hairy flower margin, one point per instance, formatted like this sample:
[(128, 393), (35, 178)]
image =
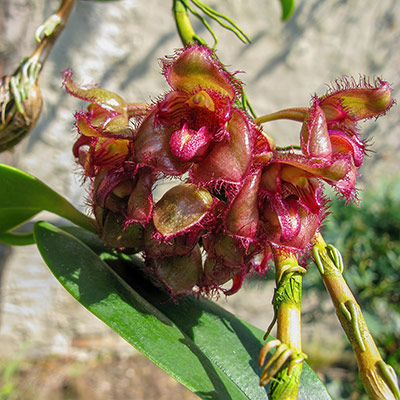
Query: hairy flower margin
[(240, 197)]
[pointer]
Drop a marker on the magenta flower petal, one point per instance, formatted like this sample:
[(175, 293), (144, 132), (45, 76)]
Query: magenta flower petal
[(189, 145), (315, 141), (229, 160), (243, 216), (152, 147), (345, 144)]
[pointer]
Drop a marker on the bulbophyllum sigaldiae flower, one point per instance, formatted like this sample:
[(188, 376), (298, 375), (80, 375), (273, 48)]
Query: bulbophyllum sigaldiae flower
[(240, 197), (194, 128), (331, 147), (241, 201)]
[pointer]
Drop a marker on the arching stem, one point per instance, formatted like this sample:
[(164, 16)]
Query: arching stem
[(379, 379), (183, 24), (294, 114)]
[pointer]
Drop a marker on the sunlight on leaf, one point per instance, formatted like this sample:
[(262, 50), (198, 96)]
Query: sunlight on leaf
[(22, 197), (200, 344)]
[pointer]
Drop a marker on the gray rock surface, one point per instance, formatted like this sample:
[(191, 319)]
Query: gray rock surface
[(117, 45)]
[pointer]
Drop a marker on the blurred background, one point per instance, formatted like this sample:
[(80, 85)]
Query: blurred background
[(52, 348)]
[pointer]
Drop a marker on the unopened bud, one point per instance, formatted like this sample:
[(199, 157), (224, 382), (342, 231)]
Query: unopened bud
[(14, 124), (179, 273), (116, 234)]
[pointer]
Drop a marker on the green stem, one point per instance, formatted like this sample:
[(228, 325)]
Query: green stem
[(27, 73), (294, 114), (378, 378), (218, 17), (183, 24), (286, 363), (68, 211)]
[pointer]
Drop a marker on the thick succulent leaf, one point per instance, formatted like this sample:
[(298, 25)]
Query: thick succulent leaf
[(200, 344), (22, 196)]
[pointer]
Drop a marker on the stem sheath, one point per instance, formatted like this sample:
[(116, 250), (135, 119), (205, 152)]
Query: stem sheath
[(284, 367), (378, 378)]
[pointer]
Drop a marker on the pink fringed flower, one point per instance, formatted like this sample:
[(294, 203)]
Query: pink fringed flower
[(240, 197), (293, 207), (196, 126), (106, 139), (330, 142), (280, 204), (107, 115)]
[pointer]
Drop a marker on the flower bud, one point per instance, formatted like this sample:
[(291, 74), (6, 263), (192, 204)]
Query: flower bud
[(243, 216), (224, 248), (182, 209), (315, 141), (179, 274), (14, 125), (140, 202), (216, 273), (119, 235), (156, 248)]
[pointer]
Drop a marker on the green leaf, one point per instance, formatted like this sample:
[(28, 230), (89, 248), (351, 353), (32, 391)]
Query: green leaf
[(200, 344), (17, 238), (22, 197), (288, 7)]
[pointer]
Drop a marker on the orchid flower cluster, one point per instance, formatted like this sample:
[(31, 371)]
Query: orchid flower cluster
[(241, 198)]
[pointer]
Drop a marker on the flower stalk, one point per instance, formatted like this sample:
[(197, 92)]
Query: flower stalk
[(284, 367), (379, 379), (294, 114), (183, 24), (180, 10)]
